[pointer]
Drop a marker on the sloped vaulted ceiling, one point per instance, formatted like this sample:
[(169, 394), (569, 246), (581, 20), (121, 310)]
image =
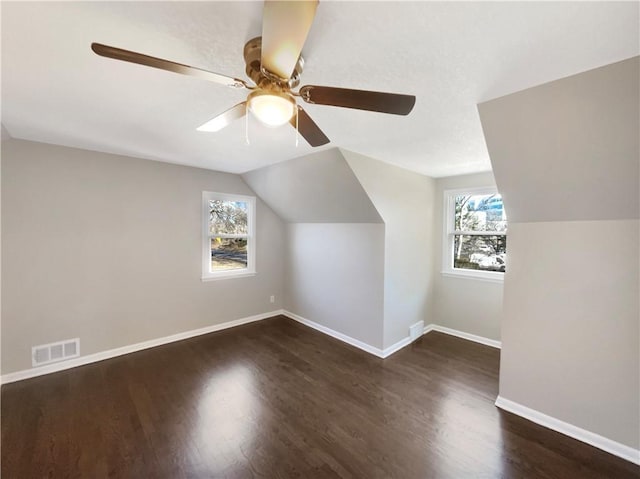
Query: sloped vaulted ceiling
[(318, 188), (569, 150)]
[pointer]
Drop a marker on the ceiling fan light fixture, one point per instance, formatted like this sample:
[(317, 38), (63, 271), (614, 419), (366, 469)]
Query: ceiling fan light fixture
[(271, 108), (274, 63)]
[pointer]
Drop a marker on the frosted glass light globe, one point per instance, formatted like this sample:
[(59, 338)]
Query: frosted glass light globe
[(271, 108)]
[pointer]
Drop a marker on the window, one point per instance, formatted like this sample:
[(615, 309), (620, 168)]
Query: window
[(228, 246), (475, 243)]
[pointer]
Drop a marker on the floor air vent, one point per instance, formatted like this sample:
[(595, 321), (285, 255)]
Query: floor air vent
[(54, 352)]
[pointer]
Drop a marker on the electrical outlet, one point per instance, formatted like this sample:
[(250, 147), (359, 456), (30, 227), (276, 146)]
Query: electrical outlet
[(272, 299)]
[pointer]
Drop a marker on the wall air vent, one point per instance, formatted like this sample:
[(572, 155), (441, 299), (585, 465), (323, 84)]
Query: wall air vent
[(416, 330), (54, 352)]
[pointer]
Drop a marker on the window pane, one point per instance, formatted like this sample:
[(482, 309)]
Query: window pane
[(228, 253), (486, 253), (228, 217), (480, 213)]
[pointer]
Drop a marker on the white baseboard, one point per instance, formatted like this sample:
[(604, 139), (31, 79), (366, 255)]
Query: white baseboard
[(335, 334), (111, 353), (461, 334), (593, 439), (381, 353), (386, 352)]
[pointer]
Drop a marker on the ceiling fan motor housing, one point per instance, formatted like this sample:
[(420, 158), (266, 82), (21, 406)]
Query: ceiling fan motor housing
[(261, 76)]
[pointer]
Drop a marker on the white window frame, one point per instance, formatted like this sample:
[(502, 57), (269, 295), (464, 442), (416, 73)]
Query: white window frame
[(250, 270), (449, 235)]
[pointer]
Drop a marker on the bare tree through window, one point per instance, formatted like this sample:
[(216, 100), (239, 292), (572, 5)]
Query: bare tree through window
[(228, 228), (479, 237)]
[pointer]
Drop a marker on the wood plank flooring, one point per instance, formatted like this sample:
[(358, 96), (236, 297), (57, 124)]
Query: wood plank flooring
[(275, 399)]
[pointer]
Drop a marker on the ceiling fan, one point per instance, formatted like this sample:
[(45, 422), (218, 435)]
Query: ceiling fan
[(274, 63)]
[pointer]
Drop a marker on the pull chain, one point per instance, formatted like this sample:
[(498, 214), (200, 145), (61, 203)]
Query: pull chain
[(297, 131), (246, 125)]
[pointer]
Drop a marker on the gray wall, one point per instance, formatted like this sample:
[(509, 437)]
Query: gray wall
[(2, 141), (405, 201), (335, 277), (389, 285), (108, 248), (466, 304), (565, 156), (335, 253), (570, 335), (4, 134)]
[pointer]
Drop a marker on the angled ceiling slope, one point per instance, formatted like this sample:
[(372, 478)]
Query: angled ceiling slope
[(569, 150), (317, 188)]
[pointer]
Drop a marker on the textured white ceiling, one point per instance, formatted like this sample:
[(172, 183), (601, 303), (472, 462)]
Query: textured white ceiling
[(451, 55)]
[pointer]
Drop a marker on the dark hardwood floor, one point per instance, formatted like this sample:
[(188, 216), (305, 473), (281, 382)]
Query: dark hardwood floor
[(275, 399)]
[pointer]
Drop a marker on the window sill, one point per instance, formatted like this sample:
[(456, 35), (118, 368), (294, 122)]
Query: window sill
[(488, 276), (243, 274)]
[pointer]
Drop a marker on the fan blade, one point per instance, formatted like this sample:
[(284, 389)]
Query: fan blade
[(285, 25), (224, 119), (308, 129), (358, 99), (140, 59)]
